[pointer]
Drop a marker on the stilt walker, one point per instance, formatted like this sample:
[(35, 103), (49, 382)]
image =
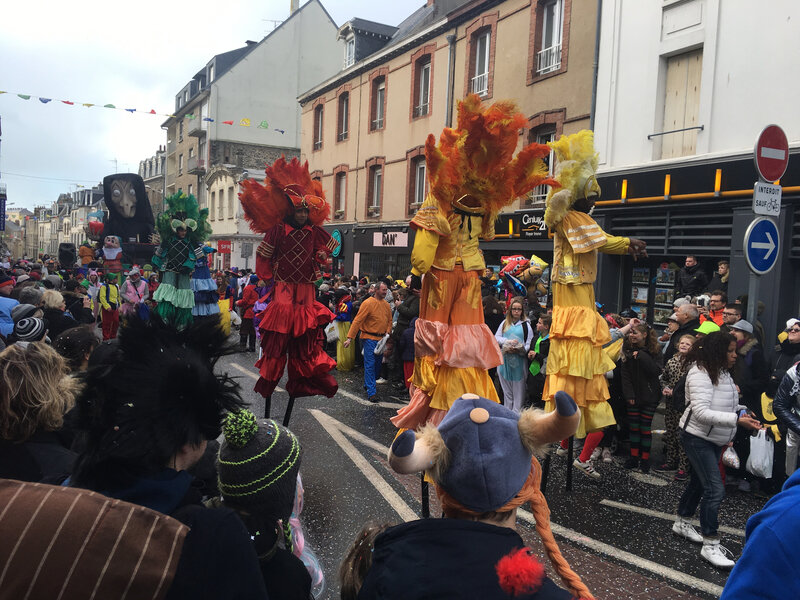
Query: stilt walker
[(577, 363), (289, 209), (472, 174)]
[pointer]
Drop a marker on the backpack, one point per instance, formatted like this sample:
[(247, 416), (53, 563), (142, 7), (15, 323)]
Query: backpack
[(678, 399)]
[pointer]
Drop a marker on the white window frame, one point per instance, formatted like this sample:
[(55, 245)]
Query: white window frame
[(189, 188), (341, 194), (419, 182), (377, 177), (480, 79), (424, 88), (230, 202), (380, 100), (212, 205), (318, 115), (538, 194), (344, 110), (349, 52), (548, 59)]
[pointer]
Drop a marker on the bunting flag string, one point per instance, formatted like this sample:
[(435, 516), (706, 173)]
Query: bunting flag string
[(243, 122)]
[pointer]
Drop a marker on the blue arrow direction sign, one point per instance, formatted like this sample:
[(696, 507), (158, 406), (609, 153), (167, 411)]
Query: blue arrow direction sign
[(762, 245)]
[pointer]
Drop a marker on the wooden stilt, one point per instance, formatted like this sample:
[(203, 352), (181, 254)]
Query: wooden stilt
[(288, 414)]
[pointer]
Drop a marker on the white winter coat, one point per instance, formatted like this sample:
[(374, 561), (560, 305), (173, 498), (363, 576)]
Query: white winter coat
[(712, 410)]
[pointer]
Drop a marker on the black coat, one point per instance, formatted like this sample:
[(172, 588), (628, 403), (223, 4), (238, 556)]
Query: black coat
[(640, 378), (58, 321), (407, 311), (751, 375), (716, 283), (787, 355), (444, 559), (75, 307), (690, 281), (41, 457)]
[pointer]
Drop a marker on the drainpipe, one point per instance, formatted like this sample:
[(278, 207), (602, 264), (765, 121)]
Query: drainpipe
[(451, 78), (595, 65)]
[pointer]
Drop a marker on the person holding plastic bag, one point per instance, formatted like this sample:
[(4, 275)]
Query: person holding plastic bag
[(787, 406), (708, 425)]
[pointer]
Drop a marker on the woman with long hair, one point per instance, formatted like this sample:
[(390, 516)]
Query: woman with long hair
[(514, 336), (640, 368), (708, 425)]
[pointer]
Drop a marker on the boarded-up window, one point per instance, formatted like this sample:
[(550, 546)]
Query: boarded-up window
[(682, 103)]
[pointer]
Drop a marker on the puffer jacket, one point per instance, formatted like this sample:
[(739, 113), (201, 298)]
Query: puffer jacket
[(712, 410), (787, 404)]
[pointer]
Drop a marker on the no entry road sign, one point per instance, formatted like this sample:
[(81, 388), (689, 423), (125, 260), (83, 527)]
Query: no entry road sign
[(772, 153), (761, 245)]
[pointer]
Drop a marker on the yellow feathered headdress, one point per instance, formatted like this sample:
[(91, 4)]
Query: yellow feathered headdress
[(576, 165), (477, 158)]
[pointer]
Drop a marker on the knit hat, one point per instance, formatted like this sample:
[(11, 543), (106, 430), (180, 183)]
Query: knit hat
[(673, 317), (707, 327), (111, 276), (791, 323), (743, 325), (30, 330), (6, 280), (23, 277), (258, 465), (22, 311), (36, 275), (253, 279)]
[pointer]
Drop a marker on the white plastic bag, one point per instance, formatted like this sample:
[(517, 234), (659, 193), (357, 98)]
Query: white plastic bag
[(331, 332), (381, 345), (730, 458), (761, 452), (235, 318)]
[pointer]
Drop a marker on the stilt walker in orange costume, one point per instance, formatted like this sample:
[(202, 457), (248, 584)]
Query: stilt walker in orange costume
[(577, 363), (472, 174), (289, 209)]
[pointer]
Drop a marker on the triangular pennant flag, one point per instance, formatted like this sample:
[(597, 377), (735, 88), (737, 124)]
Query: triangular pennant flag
[(86, 104), (228, 122), (68, 102), (131, 110), (44, 100), (190, 117), (24, 96), (281, 131), (245, 122), (171, 116), (3, 92), (152, 112), (109, 106), (263, 125), (210, 120)]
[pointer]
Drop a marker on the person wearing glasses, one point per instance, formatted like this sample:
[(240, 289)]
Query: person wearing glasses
[(731, 314), (715, 309), (788, 354)]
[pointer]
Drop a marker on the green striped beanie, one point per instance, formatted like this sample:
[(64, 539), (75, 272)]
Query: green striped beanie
[(258, 465)]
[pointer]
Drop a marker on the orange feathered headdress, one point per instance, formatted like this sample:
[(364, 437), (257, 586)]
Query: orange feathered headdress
[(477, 158), (288, 185)]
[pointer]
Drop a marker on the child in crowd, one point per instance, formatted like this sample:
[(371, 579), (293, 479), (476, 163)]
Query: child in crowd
[(674, 372)]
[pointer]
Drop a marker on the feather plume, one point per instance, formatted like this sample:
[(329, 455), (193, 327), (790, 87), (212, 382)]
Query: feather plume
[(576, 165)]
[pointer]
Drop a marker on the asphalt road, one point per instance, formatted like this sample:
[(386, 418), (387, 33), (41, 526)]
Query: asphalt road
[(614, 533)]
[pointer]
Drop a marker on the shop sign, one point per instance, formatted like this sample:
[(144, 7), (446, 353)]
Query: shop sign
[(224, 246), (391, 239), (337, 235), (531, 225)]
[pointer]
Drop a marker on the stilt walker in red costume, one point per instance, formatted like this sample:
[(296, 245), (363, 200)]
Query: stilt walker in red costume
[(289, 209)]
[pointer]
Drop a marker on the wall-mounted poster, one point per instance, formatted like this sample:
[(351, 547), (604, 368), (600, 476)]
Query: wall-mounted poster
[(665, 275), (664, 295), (641, 275), (661, 315), (641, 311), (639, 294)]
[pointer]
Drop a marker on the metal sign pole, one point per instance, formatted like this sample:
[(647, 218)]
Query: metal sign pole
[(752, 298)]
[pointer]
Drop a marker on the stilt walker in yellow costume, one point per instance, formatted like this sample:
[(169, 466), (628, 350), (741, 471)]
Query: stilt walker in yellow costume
[(577, 363), (472, 174)]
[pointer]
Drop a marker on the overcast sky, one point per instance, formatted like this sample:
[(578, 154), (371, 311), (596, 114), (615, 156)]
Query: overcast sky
[(133, 55)]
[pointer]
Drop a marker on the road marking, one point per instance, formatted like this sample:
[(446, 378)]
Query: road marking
[(335, 429), (665, 516), (252, 375), (622, 555)]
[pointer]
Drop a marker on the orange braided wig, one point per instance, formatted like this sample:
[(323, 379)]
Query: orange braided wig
[(267, 205)]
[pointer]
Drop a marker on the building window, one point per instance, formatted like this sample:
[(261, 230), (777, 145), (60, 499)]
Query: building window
[(378, 108), (374, 202), (479, 84), (343, 117), (180, 131), (230, 202), (191, 152), (210, 73), (318, 127), (211, 206), (349, 52), (548, 59), (221, 205), (422, 87), (340, 195), (180, 164), (681, 104), (189, 187), (543, 135)]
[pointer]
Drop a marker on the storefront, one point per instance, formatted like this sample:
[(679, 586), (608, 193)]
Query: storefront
[(373, 252)]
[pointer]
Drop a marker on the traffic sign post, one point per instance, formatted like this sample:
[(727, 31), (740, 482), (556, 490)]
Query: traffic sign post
[(762, 246), (772, 153)]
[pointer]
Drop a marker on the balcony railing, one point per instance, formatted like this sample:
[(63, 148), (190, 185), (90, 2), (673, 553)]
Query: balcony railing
[(197, 128), (171, 146), (537, 196), (341, 136), (317, 144), (377, 124), (421, 110), (197, 166), (548, 60), (480, 84)]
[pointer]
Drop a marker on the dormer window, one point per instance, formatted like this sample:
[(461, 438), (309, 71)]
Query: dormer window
[(349, 52), (210, 73)]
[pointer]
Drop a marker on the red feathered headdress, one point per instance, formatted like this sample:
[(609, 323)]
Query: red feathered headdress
[(477, 158), (288, 185)]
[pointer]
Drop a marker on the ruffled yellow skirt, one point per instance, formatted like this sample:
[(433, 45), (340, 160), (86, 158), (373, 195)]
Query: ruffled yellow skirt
[(577, 363)]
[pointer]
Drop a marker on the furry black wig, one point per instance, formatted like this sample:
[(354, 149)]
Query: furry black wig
[(148, 396)]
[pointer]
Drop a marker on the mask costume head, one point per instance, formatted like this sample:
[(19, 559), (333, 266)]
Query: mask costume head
[(576, 165), (129, 213)]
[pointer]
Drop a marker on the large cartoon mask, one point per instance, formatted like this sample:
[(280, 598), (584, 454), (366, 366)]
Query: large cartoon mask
[(123, 197), (111, 241)]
